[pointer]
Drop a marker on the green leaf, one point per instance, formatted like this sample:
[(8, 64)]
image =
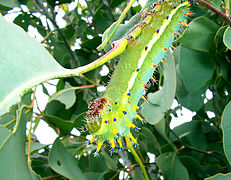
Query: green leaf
[(23, 20), (162, 100), (226, 128), (7, 120), (171, 166), (35, 146), (200, 35), (192, 101), (111, 162), (217, 3), (138, 174), (63, 163), (220, 177), (45, 91), (65, 96), (4, 133), (12, 147), (148, 141), (10, 3), (190, 163), (97, 164), (196, 68), (24, 64), (64, 125), (93, 175), (227, 37), (111, 30), (193, 135)]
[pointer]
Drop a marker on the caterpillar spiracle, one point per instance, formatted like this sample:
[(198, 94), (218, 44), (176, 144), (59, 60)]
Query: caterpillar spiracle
[(110, 117)]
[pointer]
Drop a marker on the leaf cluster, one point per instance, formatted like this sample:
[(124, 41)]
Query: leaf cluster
[(196, 77)]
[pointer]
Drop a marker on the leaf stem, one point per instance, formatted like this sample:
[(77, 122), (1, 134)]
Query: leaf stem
[(130, 147), (213, 8), (116, 23)]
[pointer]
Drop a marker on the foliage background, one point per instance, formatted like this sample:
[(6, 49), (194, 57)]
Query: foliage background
[(200, 63)]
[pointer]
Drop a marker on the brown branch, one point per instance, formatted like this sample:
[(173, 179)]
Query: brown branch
[(48, 15), (51, 177), (213, 8)]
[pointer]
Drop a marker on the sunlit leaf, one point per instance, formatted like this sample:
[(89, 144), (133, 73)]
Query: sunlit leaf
[(13, 162)]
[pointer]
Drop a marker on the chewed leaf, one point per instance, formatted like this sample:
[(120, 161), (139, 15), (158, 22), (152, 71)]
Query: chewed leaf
[(62, 162)]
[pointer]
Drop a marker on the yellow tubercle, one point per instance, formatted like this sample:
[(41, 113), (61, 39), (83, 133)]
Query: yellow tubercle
[(132, 138), (136, 107), (115, 131), (112, 143), (131, 125), (185, 24), (120, 143), (92, 140), (144, 98), (100, 143), (140, 118), (153, 79), (148, 19)]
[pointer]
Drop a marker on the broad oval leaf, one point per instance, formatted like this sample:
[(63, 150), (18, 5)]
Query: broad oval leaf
[(13, 164), (10, 3), (226, 128), (220, 177), (227, 37), (62, 162), (171, 166), (25, 63), (65, 96), (200, 35), (196, 68)]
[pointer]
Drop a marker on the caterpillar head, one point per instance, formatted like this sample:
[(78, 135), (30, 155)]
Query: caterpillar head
[(110, 121), (94, 116)]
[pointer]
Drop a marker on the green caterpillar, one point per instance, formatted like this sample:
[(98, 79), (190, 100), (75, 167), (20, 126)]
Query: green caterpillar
[(109, 118)]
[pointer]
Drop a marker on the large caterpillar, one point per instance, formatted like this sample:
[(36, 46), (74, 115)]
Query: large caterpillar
[(110, 117)]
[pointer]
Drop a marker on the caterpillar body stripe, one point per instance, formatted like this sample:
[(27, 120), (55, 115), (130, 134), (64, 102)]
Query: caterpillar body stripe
[(110, 117)]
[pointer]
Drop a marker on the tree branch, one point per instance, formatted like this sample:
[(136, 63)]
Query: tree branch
[(48, 15), (213, 8)]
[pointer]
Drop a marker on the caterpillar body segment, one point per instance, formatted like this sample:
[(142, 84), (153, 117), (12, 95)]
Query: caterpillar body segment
[(110, 117)]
